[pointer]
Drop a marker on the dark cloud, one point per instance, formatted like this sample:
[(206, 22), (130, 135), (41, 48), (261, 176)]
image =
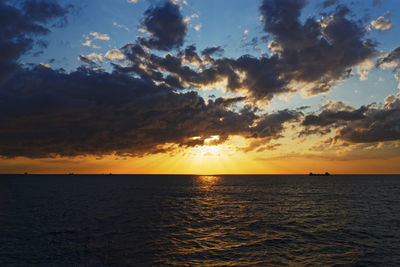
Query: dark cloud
[(252, 43), (379, 124), (303, 108), (392, 59), (212, 50), (20, 25), (141, 108), (42, 11), (313, 55), (316, 52), (45, 112), (268, 147), (261, 77), (333, 115), (153, 67), (329, 117), (281, 18), (328, 3), (191, 55), (259, 145), (139, 60), (166, 26), (86, 60), (364, 125), (228, 101), (272, 125)]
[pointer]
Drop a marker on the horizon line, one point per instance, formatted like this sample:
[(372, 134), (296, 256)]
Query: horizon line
[(189, 174)]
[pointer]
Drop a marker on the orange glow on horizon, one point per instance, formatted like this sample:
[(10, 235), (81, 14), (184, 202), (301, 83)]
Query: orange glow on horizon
[(212, 158)]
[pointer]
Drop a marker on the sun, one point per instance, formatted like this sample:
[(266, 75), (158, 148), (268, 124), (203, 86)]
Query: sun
[(210, 148), (210, 157)]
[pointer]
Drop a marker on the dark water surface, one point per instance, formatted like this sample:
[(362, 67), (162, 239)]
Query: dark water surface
[(199, 220)]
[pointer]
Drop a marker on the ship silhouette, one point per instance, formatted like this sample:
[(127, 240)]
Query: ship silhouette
[(319, 174)]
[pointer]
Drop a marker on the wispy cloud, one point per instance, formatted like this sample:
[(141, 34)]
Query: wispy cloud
[(94, 36), (116, 24), (100, 36)]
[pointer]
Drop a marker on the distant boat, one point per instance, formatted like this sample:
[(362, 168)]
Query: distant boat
[(319, 174), (71, 173), (25, 173)]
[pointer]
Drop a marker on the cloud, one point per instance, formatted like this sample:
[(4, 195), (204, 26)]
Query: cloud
[(259, 145), (197, 27), (258, 75), (46, 65), (100, 36), (378, 125), (98, 113), (95, 57), (165, 25), (94, 36), (333, 115), (145, 105), (252, 43), (212, 50), (85, 60), (316, 53), (367, 124), (87, 42), (114, 54), (189, 18), (116, 24), (271, 125), (382, 24), (21, 25), (311, 56), (91, 58), (364, 68), (391, 60)]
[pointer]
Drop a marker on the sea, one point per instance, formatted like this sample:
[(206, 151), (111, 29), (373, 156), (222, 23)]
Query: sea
[(198, 220)]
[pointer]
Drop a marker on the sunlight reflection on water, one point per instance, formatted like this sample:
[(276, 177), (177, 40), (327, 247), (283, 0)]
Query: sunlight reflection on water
[(207, 182)]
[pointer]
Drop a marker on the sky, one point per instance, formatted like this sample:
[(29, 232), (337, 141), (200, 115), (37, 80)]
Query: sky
[(199, 86)]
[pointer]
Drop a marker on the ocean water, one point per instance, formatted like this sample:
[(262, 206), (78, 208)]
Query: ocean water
[(127, 220)]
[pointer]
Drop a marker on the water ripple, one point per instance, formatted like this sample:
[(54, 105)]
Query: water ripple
[(199, 220)]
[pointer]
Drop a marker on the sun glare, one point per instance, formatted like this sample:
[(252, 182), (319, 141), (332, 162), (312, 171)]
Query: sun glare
[(211, 139), (207, 151)]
